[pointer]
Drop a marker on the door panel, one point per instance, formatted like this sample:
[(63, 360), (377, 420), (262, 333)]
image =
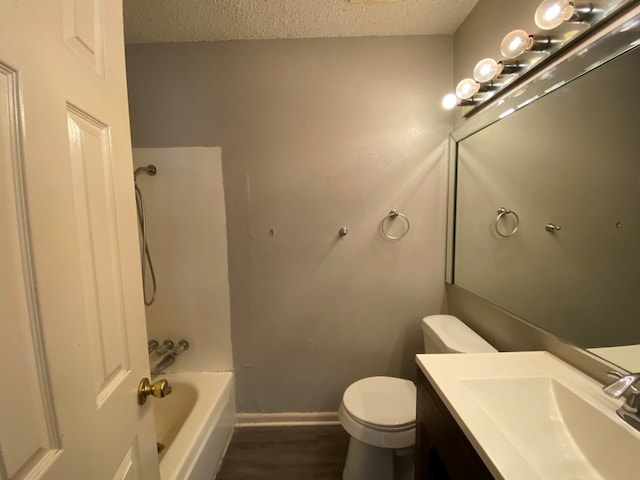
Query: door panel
[(91, 162), (28, 435), (83, 31), (129, 468), (73, 311)]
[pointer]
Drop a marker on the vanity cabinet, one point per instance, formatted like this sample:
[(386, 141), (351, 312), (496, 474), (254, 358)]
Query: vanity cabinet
[(443, 452)]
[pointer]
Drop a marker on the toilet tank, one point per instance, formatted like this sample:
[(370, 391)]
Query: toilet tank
[(447, 334)]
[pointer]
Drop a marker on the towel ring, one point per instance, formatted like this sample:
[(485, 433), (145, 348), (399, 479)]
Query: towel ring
[(393, 214), (501, 213)]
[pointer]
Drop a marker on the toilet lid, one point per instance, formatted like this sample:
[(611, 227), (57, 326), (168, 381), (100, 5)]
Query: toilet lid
[(383, 401)]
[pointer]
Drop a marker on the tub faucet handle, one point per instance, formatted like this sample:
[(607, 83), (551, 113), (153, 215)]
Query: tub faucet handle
[(182, 346), (166, 346), (152, 345)]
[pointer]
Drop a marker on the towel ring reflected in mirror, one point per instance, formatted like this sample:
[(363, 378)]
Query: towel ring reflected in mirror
[(503, 212), (394, 214)]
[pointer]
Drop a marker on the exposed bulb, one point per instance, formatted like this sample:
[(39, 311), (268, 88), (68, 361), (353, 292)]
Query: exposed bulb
[(552, 13), (516, 43), (486, 70), (449, 101), (467, 88)]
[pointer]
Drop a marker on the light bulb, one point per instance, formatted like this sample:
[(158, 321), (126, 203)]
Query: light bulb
[(516, 43), (449, 101), (467, 88), (486, 70), (552, 13)]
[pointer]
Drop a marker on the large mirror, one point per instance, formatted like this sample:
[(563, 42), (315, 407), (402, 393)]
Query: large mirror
[(547, 211)]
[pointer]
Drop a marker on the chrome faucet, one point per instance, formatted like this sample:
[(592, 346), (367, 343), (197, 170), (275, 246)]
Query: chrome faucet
[(628, 385), (170, 357), (166, 347), (152, 346)]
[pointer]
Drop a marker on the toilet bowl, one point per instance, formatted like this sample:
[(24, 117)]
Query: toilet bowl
[(379, 412)]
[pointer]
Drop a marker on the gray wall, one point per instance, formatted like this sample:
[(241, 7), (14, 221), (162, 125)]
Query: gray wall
[(316, 135)]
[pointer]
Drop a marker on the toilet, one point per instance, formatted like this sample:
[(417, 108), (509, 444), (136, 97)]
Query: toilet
[(379, 413)]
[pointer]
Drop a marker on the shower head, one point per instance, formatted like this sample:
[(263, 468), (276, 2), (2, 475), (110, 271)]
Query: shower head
[(149, 170)]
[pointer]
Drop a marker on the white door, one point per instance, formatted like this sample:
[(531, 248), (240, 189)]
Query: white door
[(72, 319)]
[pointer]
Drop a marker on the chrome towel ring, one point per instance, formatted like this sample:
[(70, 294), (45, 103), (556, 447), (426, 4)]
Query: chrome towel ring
[(501, 213), (394, 214)]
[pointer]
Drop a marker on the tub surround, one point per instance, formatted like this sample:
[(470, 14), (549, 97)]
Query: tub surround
[(186, 231)]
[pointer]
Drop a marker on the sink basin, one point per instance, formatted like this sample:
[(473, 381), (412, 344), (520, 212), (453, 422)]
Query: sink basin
[(541, 415), (531, 416)]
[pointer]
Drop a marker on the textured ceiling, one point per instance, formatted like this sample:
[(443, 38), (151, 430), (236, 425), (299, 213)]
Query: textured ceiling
[(149, 21)]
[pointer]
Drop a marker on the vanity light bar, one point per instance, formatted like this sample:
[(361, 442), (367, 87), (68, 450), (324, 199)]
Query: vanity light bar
[(550, 14)]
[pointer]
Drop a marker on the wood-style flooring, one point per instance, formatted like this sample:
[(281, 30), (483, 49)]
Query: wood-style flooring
[(285, 453)]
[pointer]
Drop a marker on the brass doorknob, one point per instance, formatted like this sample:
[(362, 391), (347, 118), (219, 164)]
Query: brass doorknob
[(159, 389)]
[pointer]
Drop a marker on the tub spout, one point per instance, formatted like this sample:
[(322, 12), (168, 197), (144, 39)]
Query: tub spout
[(163, 364)]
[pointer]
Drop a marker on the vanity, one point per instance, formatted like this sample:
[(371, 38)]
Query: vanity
[(520, 416)]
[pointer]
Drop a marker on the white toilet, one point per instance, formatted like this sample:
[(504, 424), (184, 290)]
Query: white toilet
[(380, 412)]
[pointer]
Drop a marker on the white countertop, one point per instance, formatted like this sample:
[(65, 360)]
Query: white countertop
[(465, 381)]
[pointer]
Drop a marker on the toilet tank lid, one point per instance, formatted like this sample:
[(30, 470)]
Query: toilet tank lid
[(451, 335)]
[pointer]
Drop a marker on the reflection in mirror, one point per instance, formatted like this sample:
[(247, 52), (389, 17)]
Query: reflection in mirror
[(567, 168)]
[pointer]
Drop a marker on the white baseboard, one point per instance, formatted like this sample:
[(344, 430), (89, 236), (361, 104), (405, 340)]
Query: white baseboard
[(286, 419)]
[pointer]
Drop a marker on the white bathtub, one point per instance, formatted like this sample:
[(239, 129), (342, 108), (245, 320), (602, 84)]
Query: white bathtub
[(195, 424)]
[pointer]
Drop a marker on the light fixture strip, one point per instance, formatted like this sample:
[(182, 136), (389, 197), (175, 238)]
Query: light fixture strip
[(549, 15)]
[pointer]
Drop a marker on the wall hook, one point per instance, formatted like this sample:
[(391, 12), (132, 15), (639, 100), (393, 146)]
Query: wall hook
[(550, 227), (343, 232)]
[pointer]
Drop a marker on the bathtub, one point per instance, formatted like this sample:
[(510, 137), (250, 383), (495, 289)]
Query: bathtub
[(195, 424)]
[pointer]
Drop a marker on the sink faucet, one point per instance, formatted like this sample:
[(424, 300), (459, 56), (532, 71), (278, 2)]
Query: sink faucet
[(170, 357), (629, 385)]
